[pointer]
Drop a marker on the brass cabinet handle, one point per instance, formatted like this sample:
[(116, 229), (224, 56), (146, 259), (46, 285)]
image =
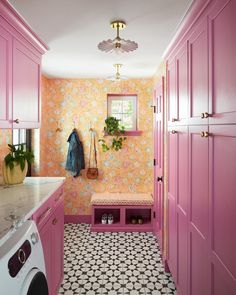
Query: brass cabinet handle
[(174, 120), (173, 131), (44, 215), (205, 115), (17, 121), (54, 222), (204, 134)]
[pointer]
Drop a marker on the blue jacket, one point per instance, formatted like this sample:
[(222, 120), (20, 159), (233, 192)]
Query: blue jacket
[(75, 157)]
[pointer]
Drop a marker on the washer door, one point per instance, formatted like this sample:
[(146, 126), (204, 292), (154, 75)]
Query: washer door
[(35, 283)]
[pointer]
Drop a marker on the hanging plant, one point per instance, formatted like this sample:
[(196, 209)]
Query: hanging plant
[(113, 128)]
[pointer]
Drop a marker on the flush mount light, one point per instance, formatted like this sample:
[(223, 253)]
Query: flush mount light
[(118, 44), (117, 77)]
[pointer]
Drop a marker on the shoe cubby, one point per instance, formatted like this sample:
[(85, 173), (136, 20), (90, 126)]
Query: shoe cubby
[(122, 218), (138, 214)]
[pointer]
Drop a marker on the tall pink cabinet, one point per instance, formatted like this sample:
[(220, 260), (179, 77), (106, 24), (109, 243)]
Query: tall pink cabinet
[(21, 51), (201, 98)]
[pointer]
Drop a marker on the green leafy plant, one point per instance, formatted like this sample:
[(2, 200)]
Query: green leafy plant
[(18, 155), (113, 128)]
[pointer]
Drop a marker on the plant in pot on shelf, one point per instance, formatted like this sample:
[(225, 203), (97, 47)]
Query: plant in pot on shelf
[(113, 129), (15, 165)]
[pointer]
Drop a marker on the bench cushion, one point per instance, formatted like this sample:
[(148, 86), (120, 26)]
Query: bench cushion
[(122, 199)]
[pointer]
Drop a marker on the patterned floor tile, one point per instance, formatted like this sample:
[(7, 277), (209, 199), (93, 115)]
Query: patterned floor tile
[(112, 264)]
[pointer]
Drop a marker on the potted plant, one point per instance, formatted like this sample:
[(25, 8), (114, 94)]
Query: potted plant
[(15, 165), (114, 129)]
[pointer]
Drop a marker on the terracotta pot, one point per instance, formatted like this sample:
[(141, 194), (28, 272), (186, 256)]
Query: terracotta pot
[(14, 175)]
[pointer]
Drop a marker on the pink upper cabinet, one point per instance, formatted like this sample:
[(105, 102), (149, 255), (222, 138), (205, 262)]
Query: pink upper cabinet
[(182, 84), (198, 78), (26, 91), (222, 37), (20, 59), (5, 83), (171, 92)]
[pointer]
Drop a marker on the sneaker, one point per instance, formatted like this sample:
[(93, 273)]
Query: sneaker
[(104, 219), (110, 219)]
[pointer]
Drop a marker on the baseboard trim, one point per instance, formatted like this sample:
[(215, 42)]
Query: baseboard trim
[(77, 219)]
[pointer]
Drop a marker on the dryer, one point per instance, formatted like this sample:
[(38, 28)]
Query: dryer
[(22, 266)]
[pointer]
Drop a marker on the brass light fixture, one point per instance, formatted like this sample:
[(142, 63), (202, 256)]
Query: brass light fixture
[(118, 44), (117, 77)]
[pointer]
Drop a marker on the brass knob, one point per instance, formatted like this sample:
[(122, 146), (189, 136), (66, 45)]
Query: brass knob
[(17, 121), (174, 120), (202, 134), (54, 222), (173, 131), (206, 115), (202, 115), (206, 134)]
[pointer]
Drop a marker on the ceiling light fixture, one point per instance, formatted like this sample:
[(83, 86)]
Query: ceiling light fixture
[(117, 77), (118, 44)]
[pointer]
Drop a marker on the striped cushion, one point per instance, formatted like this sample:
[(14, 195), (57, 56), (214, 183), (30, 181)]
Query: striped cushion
[(121, 199)]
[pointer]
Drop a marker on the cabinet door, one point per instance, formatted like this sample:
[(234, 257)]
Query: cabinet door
[(171, 92), (199, 265), (172, 191), (223, 62), (223, 204), (5, 78), (182, 204), (57, 222), (182, 84), (198, 78), (26, 87), (46, 239), (159, 156)]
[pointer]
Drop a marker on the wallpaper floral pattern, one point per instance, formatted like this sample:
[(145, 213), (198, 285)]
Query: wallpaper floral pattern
[(83, 102)]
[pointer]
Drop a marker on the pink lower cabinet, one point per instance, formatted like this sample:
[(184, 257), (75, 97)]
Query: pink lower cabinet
[(222, 171), (50, 221), (178, 206), (199, 267)]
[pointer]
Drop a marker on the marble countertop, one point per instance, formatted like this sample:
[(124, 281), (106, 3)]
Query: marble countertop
[(19, 202)]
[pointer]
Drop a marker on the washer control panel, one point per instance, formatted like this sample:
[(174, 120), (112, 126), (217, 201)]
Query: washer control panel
[(17, 261)]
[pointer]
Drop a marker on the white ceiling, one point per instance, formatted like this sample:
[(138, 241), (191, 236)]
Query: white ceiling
[(73, 28)]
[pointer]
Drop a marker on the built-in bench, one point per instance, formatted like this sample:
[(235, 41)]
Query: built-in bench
[(125, 208)]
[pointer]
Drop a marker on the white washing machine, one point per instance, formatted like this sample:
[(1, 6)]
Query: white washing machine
[(22, 267)]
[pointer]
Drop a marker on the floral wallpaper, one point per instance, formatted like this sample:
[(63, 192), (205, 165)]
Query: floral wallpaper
[(83, 103)]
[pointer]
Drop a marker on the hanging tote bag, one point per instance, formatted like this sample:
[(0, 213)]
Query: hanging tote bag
[(92, 172)]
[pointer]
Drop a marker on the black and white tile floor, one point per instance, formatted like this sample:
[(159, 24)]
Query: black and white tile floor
[(112, 264)]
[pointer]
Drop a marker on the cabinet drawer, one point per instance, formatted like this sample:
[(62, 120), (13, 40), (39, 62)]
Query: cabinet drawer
[(43, 213), (57, 197)]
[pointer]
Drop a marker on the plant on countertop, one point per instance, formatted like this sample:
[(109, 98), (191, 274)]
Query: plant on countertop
[(113, 128), (18, 156)]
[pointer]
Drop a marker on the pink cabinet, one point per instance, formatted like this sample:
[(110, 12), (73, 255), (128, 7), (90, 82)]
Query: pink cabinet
[(25, 85), (171, 92), (5, 81), (20, 59), (57, 258), (182, 97), (198, 78), (199, 267), (172, 192), (222, 38), (158, 120), (50, 222), (222, 242)]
